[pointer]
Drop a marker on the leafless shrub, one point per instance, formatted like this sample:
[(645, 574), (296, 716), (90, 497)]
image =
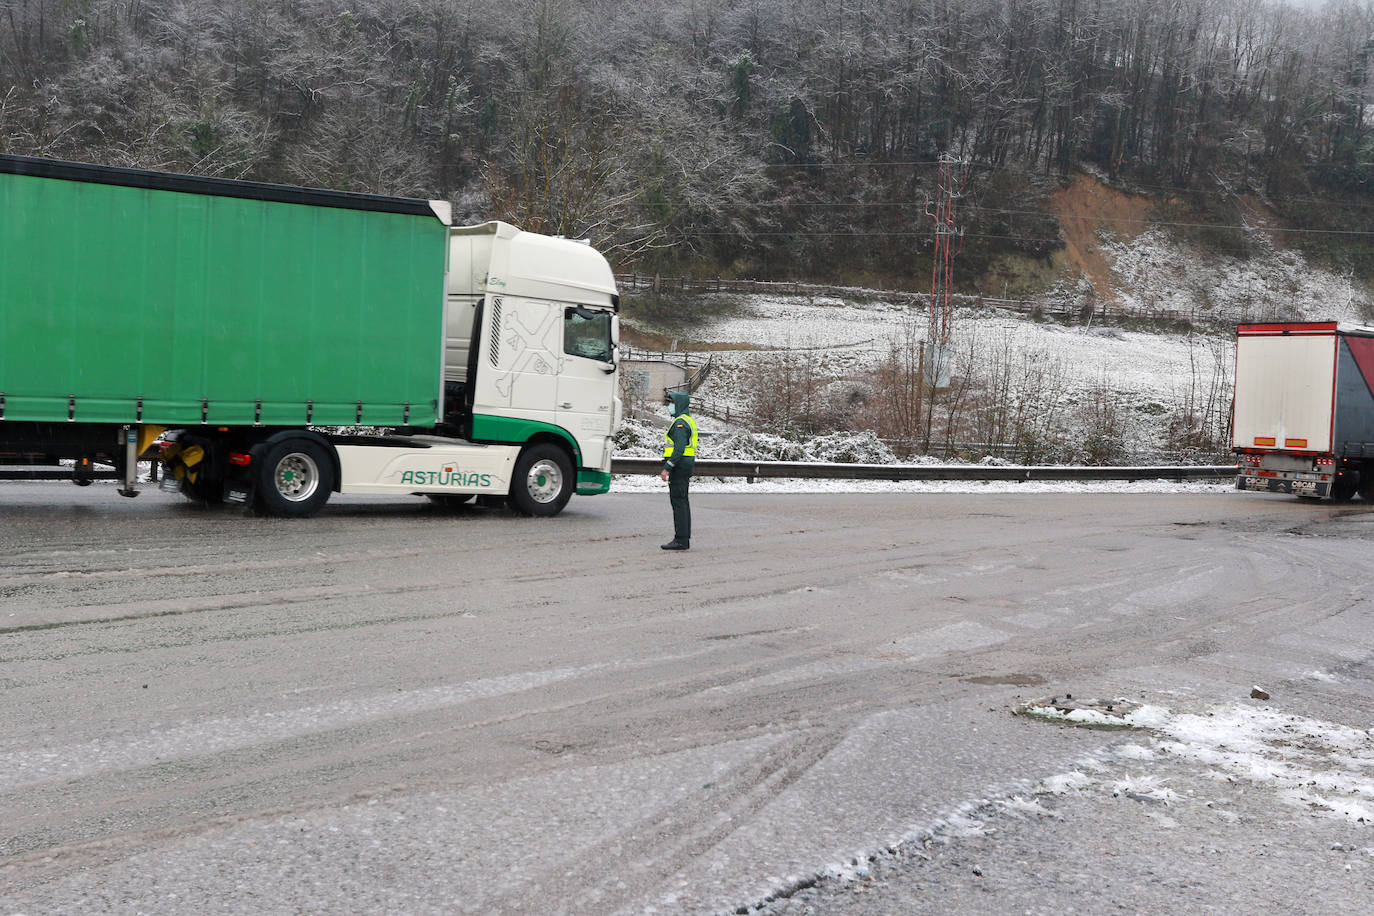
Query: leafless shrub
[(895, 411), (1204, 419), (1015, 399), (1103, 421), (784, 392)]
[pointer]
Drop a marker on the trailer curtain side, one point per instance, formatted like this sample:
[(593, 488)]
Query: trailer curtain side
[(129, 297)]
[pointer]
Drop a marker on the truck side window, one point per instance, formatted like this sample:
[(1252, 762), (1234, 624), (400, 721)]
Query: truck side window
[(587, 333)]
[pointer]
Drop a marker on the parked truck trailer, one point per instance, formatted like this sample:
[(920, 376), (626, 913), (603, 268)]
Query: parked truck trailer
[(252, 332), (1303, 420)]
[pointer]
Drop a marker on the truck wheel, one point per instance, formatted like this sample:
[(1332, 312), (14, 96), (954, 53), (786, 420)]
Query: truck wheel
[(543, 481), (1365, 488), (294, 478)]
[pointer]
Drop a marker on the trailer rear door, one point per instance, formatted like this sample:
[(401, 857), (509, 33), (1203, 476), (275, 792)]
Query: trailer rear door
[(1285, 386)]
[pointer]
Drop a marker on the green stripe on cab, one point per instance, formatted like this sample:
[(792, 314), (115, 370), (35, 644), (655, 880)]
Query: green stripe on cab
[(515, 431)]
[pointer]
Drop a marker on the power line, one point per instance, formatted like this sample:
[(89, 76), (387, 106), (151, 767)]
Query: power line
[(1158, 222), (1051, 215), (880, 204), (1038, 172), (906, 233)]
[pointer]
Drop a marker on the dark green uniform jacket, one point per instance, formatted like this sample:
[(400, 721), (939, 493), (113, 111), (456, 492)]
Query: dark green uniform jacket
[(679, 465)]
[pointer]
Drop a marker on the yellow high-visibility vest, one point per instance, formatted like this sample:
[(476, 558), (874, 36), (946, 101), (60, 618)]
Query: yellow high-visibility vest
[(691, 448)]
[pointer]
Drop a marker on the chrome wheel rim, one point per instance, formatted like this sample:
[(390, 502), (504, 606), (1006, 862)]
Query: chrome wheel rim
[(544, 481), (297, 477)]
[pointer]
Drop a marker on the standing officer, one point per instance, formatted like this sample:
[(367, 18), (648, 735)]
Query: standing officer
[(679, 456)]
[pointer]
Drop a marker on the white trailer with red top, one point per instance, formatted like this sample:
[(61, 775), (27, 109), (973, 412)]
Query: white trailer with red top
[(1303, 417)]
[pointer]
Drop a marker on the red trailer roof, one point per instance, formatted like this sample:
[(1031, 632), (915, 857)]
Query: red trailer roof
[(1287, 329)]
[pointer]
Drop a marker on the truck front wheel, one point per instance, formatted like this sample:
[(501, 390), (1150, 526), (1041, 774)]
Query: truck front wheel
[(543, 481), (294, 478)]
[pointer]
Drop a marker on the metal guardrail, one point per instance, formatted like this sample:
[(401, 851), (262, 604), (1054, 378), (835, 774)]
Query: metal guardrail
[(817, 471)]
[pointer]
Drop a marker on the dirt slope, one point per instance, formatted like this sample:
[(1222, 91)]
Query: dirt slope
[(1087, 206)]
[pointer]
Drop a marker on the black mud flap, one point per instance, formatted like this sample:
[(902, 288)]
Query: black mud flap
[(1310, 489)]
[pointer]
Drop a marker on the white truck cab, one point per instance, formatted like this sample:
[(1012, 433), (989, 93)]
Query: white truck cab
[(529, 373)]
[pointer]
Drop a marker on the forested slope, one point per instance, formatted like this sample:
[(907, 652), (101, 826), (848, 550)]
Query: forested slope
[(771, 138)]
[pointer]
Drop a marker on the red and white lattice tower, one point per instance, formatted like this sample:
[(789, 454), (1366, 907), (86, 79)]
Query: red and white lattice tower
[(948, 241)]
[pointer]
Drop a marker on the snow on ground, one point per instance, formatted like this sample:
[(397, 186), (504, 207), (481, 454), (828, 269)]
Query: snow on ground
[(853, 336), (1230, 783), (794, 322), (1183, 762), (1324, 767)]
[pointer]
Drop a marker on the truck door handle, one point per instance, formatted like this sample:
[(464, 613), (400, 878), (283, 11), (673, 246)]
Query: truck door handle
[(566, 405)]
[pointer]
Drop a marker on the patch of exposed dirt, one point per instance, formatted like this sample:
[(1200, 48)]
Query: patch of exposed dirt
[(1087, 206), (1087, 209)]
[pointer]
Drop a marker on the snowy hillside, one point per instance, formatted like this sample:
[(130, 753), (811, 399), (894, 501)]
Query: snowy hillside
[(1277, 284)]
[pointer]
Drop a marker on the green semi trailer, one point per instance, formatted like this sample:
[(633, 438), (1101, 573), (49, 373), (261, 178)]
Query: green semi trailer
[(246, 333)]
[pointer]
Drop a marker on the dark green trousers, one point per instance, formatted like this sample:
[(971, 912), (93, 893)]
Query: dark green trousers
[(679, 479)]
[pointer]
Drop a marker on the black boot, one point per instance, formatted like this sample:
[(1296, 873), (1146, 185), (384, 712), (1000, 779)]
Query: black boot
[(675, 544)]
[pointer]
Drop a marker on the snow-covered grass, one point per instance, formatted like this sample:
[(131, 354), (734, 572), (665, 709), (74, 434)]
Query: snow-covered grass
[(641, 440), (848, 337), (1156, 272)]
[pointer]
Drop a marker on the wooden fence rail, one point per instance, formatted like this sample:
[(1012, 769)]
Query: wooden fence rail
[(633, 282)]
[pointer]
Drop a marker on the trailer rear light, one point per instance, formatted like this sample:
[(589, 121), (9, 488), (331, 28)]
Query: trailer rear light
[(1253, 460), (1326, 462), (240, 459)]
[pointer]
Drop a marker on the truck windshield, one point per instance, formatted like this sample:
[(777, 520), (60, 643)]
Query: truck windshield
[(587, 333)]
